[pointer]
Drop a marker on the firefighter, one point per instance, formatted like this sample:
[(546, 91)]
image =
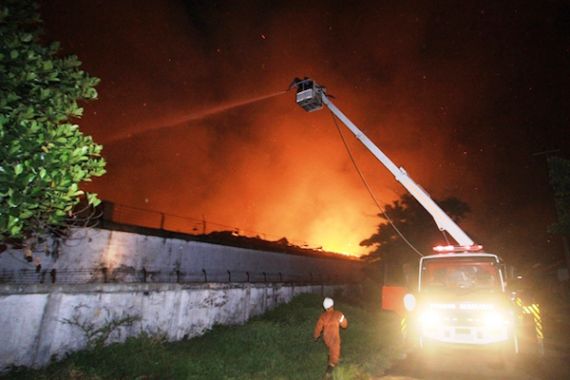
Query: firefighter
[(328, 325)]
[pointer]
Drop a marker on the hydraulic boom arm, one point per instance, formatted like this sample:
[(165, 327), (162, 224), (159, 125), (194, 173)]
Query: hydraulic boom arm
[(311, 97)]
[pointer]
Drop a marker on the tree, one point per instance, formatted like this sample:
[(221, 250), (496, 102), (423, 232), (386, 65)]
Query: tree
[(417, 226), (559, 172), (44, 157)]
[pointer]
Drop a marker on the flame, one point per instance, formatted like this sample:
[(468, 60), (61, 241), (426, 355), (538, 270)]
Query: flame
[(336, 236)]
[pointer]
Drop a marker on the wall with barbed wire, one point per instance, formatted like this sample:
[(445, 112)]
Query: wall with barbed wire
[(93, 255), (55, 294)]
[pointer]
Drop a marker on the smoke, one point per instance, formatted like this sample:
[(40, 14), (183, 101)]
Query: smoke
[(188, 129)]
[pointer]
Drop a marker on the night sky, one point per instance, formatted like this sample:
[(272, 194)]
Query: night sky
[(462, 94)]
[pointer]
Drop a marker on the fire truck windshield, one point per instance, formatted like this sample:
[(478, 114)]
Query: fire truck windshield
[(460, 273)]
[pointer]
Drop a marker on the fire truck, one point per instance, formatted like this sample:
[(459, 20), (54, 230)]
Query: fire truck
[(461, 299)]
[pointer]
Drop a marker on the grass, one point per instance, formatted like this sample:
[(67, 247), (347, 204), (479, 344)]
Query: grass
[(277, 345)]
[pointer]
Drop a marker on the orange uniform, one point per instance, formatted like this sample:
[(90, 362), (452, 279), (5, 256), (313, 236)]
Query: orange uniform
[(328, 324)]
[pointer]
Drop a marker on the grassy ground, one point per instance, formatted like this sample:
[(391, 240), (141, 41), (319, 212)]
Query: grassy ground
[(277, 345)]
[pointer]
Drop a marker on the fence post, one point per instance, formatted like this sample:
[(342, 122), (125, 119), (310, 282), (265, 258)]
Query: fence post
[(205, 275), (264, 276), (53, 275), (144, 274), (280, 277), (229, 276), (247, 274), (104, 271), (178, 276)]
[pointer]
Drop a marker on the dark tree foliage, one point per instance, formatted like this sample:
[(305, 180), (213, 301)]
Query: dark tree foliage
[(559, 172), (44, 156), (417, 225)]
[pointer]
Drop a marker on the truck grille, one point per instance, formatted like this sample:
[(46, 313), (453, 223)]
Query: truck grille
[(465, 327)]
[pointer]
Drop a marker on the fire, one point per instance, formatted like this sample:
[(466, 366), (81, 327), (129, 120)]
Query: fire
[(273, 177), (337, 236)]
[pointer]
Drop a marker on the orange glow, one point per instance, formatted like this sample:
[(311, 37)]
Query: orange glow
[(291, 179), (207, 139), (341, 229)]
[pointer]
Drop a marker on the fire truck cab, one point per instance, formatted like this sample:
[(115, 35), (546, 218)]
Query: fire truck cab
[(461, 299), (462, 302)]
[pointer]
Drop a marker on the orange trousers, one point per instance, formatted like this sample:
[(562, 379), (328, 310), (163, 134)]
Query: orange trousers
[(334, 352)]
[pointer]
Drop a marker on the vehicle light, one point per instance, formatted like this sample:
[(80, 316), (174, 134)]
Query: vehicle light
[(494, 319), (461, 248), (443, 306), (430, 318), (475, 306), (409, 302)]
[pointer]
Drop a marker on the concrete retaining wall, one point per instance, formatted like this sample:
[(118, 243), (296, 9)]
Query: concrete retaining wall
[(181, 294), (35, 319)]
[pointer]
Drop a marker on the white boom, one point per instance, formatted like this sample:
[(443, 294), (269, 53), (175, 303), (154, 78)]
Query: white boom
[(311, 97)]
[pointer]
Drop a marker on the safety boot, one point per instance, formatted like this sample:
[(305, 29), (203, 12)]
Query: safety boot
[(329, 373)]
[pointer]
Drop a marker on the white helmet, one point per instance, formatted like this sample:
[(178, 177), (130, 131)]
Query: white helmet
[(328, 303)]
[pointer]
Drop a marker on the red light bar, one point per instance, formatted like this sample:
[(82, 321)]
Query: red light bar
[(461, 248)]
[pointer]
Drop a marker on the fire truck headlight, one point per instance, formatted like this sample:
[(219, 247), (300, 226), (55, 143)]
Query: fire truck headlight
[(409, 302), (494, 319), (430, 318)]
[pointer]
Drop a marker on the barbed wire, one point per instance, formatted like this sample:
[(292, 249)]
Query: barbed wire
[(164, 221), (164, 275)]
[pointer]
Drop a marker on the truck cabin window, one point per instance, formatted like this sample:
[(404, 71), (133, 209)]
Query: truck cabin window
[(460, 273)]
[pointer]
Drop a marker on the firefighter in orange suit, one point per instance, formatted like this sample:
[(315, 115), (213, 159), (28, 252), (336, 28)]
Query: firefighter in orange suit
[(328, 325)]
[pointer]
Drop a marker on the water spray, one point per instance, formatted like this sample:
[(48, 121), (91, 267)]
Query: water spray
[(194, 116)]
